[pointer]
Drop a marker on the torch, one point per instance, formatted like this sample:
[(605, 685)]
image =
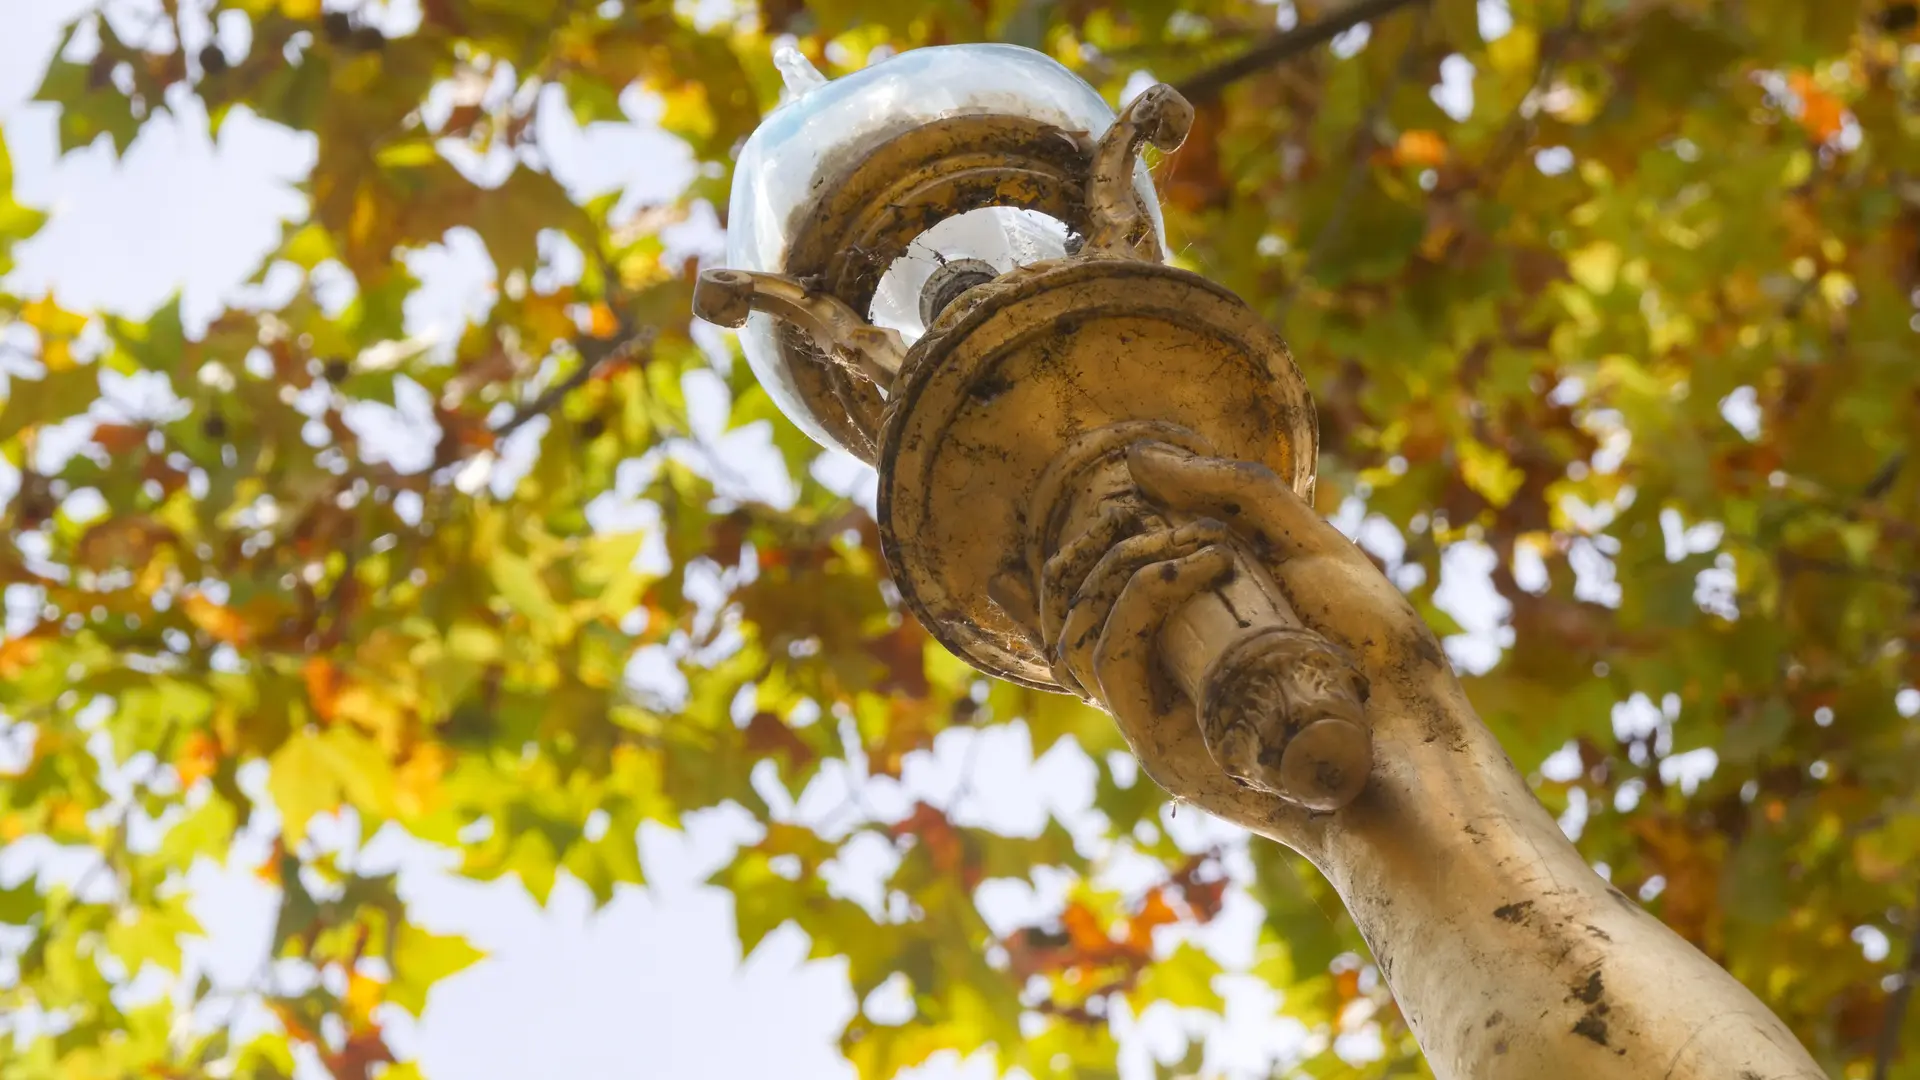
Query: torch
[(952, 265)]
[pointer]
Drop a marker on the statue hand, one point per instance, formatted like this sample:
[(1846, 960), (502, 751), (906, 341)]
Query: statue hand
[(1230, 512)]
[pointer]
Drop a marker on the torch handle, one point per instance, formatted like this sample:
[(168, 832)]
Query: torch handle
[(1281, 707)]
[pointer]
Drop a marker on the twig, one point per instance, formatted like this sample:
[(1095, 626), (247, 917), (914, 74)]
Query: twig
[(1207, 84), (1793, 563), (1364, 144), (627, 348), (1896, 1013), (1520, 130)]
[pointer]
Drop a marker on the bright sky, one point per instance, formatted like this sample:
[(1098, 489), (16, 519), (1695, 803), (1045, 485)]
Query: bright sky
[(653, 985)]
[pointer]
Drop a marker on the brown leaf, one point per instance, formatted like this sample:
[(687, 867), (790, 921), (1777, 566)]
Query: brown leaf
[(903, 652), (768, 735), (120, 438)]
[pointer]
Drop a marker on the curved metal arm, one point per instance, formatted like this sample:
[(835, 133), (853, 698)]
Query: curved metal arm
[(1121, 225), (727, 297)]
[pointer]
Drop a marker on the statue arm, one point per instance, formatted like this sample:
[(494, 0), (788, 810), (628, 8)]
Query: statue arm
[(1510, 957)]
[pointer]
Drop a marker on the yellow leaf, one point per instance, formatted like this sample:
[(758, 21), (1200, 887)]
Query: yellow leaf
[(302, 784), (373, 711), (1488, 472), (520, 586), (1596, 267), (545, 317), (362, 997), (57, 354), (366, 217), (1515, 52), (687, 112), (69, 819), (416, 783), (314, 772), (52, 320)]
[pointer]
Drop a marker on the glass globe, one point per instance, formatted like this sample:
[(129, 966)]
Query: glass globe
[(823, 125)]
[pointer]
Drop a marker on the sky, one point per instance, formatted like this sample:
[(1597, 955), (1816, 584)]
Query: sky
[(653, 985)]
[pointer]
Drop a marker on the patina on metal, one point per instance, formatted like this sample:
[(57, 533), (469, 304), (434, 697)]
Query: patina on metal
[(1096, 476)]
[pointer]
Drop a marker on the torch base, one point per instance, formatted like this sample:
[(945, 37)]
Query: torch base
[(1016, 371)]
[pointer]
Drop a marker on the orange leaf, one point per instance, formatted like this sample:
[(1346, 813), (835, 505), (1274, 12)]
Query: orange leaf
[(1420, 147), (17, 655), (197, 758), (220, 623), (1083, 929), (1821, 113), (1155, 913), (269, 868), (323, 685), (601, 321)]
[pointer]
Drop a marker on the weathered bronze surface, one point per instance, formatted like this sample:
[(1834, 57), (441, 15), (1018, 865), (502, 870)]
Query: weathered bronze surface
[(841, 336), (1004, 437), (1012, 374)]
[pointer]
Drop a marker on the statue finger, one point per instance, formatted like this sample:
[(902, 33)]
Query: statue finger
[(1245, 495), (1064, 571), (1102, 587)]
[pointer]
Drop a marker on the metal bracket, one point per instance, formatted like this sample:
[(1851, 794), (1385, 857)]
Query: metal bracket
[(727, 297), (1120, 224)]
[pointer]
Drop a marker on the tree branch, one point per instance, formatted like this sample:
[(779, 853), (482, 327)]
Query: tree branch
[(1365, 142), (1896, 1014), (625, 348), (1793, 563), (1208, 83), (1526, 117)]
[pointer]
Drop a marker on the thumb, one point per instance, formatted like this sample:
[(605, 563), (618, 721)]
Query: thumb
[(1249, 497)]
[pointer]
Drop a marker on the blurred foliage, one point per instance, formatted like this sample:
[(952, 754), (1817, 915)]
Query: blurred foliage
[(1636, 315)]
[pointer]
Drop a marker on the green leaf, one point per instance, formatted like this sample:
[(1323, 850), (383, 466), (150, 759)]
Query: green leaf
[(1184, 980), (55, 396), (521, 587), (422, 959), (151, 935), (19, 903)]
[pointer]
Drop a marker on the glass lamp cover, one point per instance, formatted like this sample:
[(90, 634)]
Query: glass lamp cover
[(824, 125)]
